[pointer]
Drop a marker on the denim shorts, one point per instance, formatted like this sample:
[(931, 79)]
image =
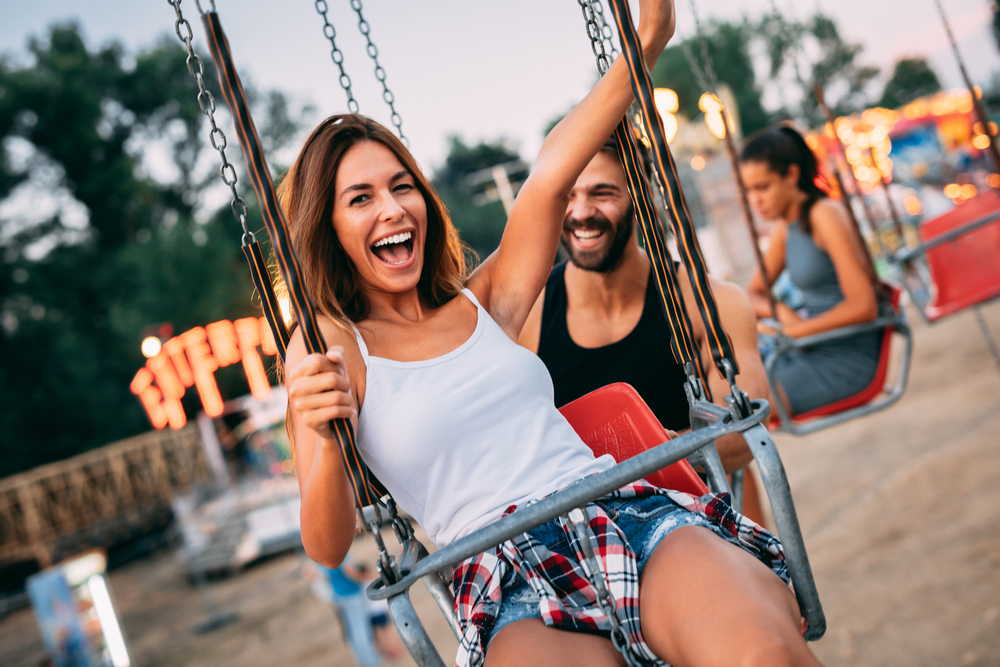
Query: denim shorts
[(644, 521)]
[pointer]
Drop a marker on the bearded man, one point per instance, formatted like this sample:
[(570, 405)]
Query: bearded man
[(599, 319)]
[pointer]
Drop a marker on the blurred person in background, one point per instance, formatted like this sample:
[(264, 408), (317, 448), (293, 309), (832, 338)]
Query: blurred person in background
[(816, 243)]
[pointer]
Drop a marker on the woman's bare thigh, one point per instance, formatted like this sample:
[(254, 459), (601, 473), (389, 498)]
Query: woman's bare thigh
[(530, 642), (704, 601)]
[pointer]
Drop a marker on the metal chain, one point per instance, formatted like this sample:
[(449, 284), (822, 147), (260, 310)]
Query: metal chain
[(387, 95), (596, 36), (711, 84), (337, 55), (605, 600), (606, 33), (206, 102)]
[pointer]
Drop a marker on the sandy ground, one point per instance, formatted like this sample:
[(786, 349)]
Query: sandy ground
[(900, 512)]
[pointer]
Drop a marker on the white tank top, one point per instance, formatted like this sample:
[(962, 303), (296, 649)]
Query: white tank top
[(460, 438)]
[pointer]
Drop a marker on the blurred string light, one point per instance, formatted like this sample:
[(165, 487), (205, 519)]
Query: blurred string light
[(697, 163), (867, 145), (667, 103), (712, 107), (958, 193), (150, 346)]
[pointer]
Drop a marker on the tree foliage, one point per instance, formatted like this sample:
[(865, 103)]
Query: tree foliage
[(817, 54), (911, 78), (74, 297), (480, 226), (729, 52)]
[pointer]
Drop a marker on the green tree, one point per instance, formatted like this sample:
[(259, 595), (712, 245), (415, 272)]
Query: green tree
[(911, 78), (818, 55), (480, 226), (75, 296), (729, 50)]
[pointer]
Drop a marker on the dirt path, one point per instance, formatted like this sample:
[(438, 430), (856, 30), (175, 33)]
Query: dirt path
[(900, 511)]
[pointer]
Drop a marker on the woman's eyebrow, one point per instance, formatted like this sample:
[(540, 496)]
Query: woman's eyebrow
[(356, 186), (398, 175)]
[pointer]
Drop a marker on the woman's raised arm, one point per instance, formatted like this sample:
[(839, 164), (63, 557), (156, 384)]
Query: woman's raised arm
[(510, 279)]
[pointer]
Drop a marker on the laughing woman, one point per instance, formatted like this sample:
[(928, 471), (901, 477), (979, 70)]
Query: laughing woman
[(458, 421)]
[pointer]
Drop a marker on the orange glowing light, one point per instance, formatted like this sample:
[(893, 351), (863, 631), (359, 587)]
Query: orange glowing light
[(175, 348), (248, 333), (993, 180), (192, 359), (981, 141), (952, 190), (697, 163), (267, 344), (142, 386), (203, 365), (912, 205), (223, 339), (968, 191)]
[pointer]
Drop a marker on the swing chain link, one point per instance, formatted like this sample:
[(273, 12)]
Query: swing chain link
[(596, 36), (206, 102), (606, 33), (387, 95), (386, 564), (605, 599), (337, 55), (737, 400)]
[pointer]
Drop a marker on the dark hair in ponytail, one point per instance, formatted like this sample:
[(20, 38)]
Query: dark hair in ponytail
[(781, 147)]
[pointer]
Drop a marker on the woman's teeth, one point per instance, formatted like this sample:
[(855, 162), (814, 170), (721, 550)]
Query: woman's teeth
[(396, 238)]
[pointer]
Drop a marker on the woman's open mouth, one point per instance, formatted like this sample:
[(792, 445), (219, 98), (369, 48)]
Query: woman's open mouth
[(394, 250)]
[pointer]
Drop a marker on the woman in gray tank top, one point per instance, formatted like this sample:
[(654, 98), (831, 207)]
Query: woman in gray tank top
[(815, 242)]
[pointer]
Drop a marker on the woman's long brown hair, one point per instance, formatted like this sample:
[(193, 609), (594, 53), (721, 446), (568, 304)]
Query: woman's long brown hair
[(307, 194)]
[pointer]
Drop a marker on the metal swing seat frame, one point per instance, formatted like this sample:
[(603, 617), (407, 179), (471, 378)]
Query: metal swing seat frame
[(956, 266), (873, 398), (648, 454)]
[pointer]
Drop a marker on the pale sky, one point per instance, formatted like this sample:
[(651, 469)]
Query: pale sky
[(483, 70)]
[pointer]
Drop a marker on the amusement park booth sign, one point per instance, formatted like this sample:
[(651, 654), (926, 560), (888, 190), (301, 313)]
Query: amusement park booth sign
[(192, 358)]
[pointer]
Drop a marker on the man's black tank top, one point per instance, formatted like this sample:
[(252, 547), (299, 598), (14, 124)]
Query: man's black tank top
[(642, 359)]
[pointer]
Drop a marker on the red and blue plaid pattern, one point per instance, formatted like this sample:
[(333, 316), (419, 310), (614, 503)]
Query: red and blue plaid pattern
[(567, 597)]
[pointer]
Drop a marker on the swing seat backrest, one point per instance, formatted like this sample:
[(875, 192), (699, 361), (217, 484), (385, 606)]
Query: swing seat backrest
[(615, 420), (876, 386), (966, 270)]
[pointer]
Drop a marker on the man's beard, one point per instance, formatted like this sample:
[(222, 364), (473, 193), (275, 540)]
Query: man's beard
[(598, 260)]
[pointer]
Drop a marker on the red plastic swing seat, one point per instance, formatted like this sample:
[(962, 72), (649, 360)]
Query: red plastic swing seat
[(615, 420), (875, 387), (966, 270)]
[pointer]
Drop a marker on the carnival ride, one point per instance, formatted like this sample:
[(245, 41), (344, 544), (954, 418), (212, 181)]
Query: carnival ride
[(709, 421)]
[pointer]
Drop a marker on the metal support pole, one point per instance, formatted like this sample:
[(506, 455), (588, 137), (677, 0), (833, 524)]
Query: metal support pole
[(734, 161), (897, 224), (412, 631), (990, 343), (738, 479), (976, 102), (821, 101), (780, 495)]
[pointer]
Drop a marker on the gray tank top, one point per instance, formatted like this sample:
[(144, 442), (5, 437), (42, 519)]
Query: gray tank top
[(812, 271)]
